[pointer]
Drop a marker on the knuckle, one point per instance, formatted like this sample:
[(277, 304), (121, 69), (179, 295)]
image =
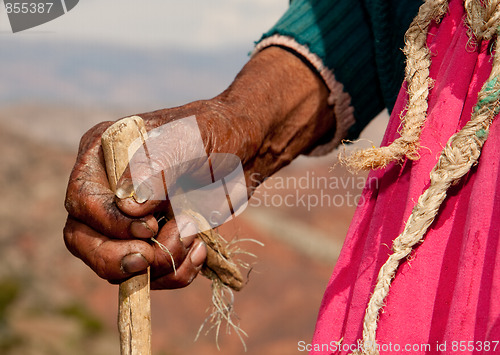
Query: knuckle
[(75, 195), (100, 266), (101, 263), (91, 253), (70, 198), (70, 204), (68, 236), (92, 135)]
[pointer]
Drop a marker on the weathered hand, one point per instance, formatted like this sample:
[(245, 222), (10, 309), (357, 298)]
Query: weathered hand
[(112, 238), (274, 110)]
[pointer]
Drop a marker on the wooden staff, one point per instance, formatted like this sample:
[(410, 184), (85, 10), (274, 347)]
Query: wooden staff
[(134, 308)]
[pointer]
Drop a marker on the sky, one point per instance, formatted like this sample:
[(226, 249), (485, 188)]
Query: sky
[(158, 23), (126, 57), (140, 54)]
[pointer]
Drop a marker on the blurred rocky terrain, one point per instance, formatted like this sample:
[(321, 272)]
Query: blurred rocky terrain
[(51, 303)]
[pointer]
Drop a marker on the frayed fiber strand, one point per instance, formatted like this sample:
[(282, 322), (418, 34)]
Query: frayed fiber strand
[(419, 82)]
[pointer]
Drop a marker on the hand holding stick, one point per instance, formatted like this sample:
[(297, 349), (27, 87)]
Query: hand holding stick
[(134, 313)]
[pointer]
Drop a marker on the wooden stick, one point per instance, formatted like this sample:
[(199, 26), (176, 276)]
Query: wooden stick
[(134, 312), (134, 309)]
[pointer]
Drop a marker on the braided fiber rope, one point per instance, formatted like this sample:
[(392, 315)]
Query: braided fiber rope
[(417, 77), (482, 17), (461, 152)]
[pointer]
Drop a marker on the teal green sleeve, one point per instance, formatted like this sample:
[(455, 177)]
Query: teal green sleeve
[(360, 41)]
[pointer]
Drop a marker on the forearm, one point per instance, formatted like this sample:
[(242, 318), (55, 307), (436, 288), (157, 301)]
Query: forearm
[(278, 108), (275, 109)]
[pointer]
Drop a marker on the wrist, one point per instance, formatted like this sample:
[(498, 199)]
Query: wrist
[(279, 108), (275, 109)]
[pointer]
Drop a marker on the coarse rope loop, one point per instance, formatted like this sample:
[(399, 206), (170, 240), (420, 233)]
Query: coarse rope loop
[(417, 78), (483, 18)]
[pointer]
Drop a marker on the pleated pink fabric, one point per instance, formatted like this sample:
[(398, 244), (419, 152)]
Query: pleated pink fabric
[(449, 290)]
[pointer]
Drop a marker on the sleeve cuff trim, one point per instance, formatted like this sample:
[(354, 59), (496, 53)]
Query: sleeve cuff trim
[(341, 101)]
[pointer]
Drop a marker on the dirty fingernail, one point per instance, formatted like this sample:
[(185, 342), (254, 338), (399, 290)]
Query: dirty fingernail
[(140, 229), (143, 193), (198, 254), (133, 263), (125, 189)]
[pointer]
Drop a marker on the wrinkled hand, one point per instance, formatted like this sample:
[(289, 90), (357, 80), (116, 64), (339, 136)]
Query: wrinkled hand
[(275, 110), (112, 235)]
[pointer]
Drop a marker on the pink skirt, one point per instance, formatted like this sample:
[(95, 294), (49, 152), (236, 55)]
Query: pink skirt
[(446, 297)]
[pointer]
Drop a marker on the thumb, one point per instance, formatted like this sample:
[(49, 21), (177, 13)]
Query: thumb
[(136, 201), (141, 187), (156, 164)]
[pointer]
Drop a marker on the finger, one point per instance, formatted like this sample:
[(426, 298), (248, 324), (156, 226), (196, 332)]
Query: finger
[(89, 198), (169, 250), (186, 272), (111, 259), (93, 203), (144, 228), (141, 200), (169, 151), (186, 252), (144, 183)]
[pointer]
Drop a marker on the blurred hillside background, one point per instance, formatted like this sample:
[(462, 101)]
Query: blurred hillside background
[(108, 59)]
